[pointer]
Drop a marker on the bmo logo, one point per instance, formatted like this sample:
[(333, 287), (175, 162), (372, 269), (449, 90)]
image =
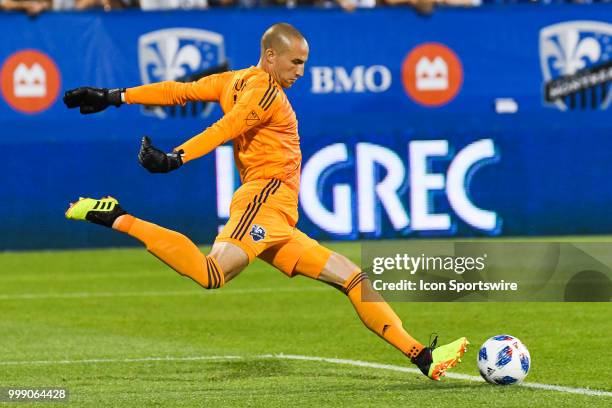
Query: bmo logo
[(359, 79), (432, 74), (356, 206), (30, 81)]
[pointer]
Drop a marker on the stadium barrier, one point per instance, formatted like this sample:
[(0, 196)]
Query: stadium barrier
[(488, 121)]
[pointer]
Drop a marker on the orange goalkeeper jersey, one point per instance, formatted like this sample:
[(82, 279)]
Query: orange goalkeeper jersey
[(258, 118)]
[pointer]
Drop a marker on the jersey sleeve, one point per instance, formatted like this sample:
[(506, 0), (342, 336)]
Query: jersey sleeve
[(254, 108), (208, 88)]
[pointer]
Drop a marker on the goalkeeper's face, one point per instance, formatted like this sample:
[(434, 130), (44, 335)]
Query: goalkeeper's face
[(288, 65)]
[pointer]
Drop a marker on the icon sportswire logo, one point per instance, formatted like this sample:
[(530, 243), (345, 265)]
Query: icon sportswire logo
[(576, 64), (180, 54)]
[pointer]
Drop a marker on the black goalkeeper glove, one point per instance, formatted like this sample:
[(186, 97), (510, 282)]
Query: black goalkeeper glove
[(156, 161), (92, 100)]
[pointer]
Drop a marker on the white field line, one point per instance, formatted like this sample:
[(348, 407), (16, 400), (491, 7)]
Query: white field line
[(355, 363), (84, 295), (358, 363)]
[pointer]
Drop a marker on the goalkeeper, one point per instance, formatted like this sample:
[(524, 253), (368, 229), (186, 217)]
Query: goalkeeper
[(262, 125)]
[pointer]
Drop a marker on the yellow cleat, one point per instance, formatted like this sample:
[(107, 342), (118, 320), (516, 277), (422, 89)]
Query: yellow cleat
[(103, 211), (435, 361)]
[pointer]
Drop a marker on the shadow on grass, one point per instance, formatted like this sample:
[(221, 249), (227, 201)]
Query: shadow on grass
[(309, 378), (247, 369)]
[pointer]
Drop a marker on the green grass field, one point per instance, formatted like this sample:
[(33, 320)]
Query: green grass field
[(119, 328)]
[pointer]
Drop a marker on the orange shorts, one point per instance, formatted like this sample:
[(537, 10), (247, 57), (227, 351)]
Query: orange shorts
[(263, 214)]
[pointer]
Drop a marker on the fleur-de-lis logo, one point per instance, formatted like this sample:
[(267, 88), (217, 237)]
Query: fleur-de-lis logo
[(176, 54), (569, 53), (571, 48), (164, 60)]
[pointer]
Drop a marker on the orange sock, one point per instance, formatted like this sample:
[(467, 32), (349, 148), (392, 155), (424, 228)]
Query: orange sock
[(175, 250), (378, 316)]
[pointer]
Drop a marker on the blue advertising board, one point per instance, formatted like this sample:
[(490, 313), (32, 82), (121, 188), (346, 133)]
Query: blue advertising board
[(487, 121)]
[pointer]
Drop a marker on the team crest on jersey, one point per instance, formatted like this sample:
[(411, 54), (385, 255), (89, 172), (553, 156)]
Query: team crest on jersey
[(576, 64), (257, 233), (180, 54)]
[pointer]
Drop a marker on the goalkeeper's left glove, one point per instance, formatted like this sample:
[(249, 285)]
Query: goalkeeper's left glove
[(155, 160)]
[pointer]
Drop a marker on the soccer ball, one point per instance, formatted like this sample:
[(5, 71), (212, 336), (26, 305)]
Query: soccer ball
[(503, 360)]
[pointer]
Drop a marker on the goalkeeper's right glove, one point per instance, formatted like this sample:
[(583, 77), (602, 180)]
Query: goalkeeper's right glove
[(92, 100), (155, 160)]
